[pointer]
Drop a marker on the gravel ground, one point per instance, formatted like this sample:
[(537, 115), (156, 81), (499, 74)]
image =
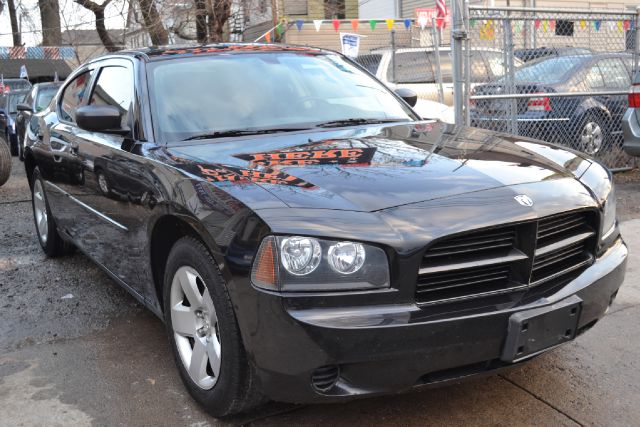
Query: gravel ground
[(99, 358)]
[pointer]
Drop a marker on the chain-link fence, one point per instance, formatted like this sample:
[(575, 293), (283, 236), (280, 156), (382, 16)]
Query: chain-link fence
[(560, 76)]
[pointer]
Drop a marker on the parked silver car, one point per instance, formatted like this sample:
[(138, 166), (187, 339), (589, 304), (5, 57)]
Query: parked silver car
[(631, 120)]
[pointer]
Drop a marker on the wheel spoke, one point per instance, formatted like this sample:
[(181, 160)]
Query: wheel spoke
[(208, 305), (213, 351), (190, 288), (198, 364), (183, 320)]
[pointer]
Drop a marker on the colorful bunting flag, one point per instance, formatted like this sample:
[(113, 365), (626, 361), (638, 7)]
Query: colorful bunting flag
[(620, 26), (552, 25), (597, 24), (317, 23), (583, 24), (537, 24), (627, 25), (407, 23), (472, 22), (299, 23), (267, 37), (486, 31), (372, 24), (545, 25), (336, 24), (389, 24), (354, 24), (279, 30)]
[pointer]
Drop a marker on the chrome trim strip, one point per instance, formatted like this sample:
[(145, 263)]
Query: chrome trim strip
[(87, 207), (515, 255), (500, 119)]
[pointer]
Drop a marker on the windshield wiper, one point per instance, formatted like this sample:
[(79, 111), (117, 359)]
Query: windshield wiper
[(351, 122), (240, 132)]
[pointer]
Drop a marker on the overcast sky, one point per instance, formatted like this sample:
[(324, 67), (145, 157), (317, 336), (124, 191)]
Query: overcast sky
[(73, 17)]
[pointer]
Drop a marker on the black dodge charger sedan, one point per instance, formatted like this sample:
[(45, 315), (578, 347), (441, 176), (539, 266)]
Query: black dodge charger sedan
[(304, 236)]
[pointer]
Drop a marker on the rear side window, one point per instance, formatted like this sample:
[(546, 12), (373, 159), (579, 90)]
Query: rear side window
[(114, 87), (411, 67), (72, 96), (615, 73)]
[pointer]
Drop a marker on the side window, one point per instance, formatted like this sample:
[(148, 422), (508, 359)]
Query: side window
[(29, 98), (114, 87), (593, 78), (411, 67), (72, 96), (615, 73)]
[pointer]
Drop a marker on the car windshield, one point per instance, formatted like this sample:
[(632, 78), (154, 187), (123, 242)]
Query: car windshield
[(552, 70), (14, 100), (45, 95), (261, 91)]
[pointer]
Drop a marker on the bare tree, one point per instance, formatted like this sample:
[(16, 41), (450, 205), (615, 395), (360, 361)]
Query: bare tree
[(153, 23), (15, 29), (218, 13), (50, 18), (98, 11)]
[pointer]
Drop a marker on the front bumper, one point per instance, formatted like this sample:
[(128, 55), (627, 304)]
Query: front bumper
[(381, 350)]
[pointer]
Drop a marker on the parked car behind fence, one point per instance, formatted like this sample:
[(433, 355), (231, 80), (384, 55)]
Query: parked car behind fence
[(588, 123)]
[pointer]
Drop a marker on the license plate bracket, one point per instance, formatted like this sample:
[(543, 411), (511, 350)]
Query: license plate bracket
[(533, 331)]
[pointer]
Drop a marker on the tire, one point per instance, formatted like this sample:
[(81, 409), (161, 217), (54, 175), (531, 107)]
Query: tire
[(13, 143), (197, 302), (5, 163), (104, 185), (591, 135), (52, 244)]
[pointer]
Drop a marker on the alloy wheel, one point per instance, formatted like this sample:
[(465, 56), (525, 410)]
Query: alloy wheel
[(40, 211), (591, 138), (195, 327)]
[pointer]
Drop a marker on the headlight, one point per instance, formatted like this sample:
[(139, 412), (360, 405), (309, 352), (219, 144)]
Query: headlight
[(295, 263), (600, 181)]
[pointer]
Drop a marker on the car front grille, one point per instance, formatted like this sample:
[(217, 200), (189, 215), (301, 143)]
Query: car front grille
[(521, 258)]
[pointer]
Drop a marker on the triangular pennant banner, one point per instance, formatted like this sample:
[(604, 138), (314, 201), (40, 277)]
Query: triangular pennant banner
[(620, 26), (545, 25), (537, 24), (627, 25), (267, 37), (299, 23), (597, 25), (372, 24), (583, 24), (354, 24), (552, 25), (317, 23), (407, 23), (279, 30), (389, 24), (336, 24), (472, 22)]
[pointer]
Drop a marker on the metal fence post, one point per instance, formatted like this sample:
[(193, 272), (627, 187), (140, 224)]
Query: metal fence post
[(508, 49), (435, 36), (467, 65), (636, 44), (458, 35), (393, 55)]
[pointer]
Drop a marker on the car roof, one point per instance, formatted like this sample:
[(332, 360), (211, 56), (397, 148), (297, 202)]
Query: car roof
[(168, 52)]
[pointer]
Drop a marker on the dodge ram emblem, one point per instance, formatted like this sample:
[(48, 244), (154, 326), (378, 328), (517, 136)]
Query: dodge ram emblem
[(524, 200)]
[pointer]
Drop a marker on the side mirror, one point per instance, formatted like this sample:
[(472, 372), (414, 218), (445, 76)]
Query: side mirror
[(100, 118), (24, 107), (409, 96)]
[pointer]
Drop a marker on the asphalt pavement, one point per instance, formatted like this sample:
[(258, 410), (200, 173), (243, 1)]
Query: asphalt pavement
[(76, 349)]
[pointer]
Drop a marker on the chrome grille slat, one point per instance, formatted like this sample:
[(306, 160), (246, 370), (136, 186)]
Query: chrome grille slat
[(487, 263)]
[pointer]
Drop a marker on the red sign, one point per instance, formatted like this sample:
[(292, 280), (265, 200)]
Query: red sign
[(425, 17)]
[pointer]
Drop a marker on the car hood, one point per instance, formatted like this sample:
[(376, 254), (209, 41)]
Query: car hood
[(376, 167)]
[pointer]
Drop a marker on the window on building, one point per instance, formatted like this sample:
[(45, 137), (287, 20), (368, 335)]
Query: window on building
[(334, 9), (564, 28)]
